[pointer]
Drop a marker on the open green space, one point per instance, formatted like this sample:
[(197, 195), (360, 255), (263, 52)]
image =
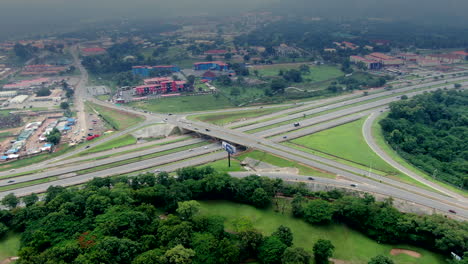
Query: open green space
[(281, 162), (119, 120), (380, 140), (9, 246), (347, 142), (184, 104), (222, 165), (350, 245), (121, 141), (316, 74), (221, 119)]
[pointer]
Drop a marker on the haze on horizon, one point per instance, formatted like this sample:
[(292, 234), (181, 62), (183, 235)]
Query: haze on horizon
[(19, 17)]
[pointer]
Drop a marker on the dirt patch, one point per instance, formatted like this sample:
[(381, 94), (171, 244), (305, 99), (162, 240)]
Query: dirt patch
[(338, 261), (8, 260), (398, 251)]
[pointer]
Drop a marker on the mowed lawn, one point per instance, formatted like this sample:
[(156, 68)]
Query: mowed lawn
[(317, 73), (120, 120), (121, 141), (350, 245), (346, 142), (221, 119), (9, 246), (184, 104)]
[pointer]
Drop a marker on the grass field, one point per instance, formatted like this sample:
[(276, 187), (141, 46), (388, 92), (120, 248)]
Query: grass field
[(317, 73), (121, 141), (380, 140), (222, 165), (184, 104), (221, 119), (347, 142), (28, 183), (350, 245), (119, 120), (9, 246), (280, 162)]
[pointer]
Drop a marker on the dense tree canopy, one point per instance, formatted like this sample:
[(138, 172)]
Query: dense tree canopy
[(430, 131), (154, 219)]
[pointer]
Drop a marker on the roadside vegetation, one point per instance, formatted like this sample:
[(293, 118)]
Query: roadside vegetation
[(114, 220), (430, 132), (184, 104)]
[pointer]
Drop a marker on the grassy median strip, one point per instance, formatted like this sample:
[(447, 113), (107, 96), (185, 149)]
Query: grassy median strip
[(380, 141), (222, 119), (121, 141), (140, 158), (26, 184), (118, 119), (133, 150), (21, 174)]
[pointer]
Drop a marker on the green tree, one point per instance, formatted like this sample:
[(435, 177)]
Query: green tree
[(54, 136), (205, 246), (260, 198), (285, 234), (190, 80), (188, 209), (323, 250), (278, 85), (228, 252), (10, 201), (64, 105), (304, 68), (380, 259), (152, 256), (43, 92), (209, 58), (271, 250), (457, 85), (179, 255), (3, 230), (295, 256), (235, 92), (31, 199), (318, 212)]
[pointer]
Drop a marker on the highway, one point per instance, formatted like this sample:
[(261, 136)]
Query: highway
[(66, 170)]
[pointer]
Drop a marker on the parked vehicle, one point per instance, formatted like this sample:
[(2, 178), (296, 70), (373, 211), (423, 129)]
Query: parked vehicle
[(92, 137)]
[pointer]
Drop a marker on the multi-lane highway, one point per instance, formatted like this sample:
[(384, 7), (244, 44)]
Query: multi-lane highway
[(323, 114)]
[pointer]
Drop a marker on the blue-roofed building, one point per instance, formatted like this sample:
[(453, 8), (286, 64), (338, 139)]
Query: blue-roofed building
[(145, 71), (210, 65)]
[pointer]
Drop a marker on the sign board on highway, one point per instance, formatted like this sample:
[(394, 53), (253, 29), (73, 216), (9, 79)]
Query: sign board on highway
[(229, 148)]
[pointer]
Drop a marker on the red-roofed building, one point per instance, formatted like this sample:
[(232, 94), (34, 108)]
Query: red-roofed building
[(462, 54), (42, 69), (446, 58), (160, 86), (216, 52), (210, 65), (384, 59), (93, 51), (370, 64), (209, 76)]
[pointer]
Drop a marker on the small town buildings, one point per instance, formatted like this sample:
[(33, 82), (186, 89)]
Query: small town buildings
[(42, 69), (384, 59), (216, 52), (26, 84), (145, 71), (211, 65), (370, 64), (209, 76), (445, 58), (92, 51), (160, 86)]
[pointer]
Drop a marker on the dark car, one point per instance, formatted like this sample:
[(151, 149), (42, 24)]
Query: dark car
[(10, 181), (452, 211), (296, 124), (310, 179), (207, 130), (87, 147), (353, 185)]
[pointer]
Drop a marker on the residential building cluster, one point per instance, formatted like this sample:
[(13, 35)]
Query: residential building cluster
[(211, 65), (43, 69), (161, 85)]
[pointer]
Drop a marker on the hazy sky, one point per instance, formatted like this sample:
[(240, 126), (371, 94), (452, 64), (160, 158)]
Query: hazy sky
[(17, 16)]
